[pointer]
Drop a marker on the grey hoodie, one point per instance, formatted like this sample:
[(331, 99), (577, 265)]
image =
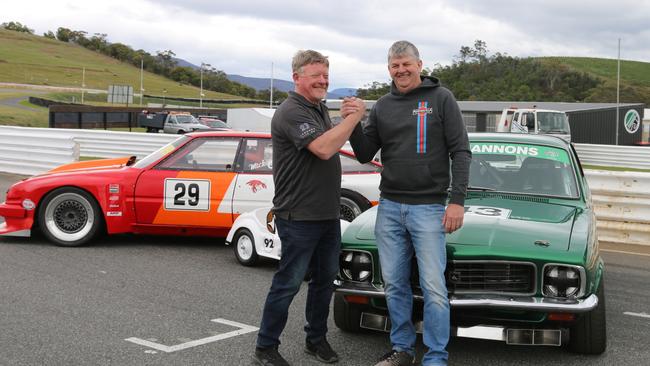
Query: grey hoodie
[(418, 133)]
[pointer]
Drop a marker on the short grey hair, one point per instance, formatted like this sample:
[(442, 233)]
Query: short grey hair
[(307, 57), (403, 48)]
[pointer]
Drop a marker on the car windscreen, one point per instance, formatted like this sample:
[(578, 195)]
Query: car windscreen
[(351, 165), (552, 122), (217, 124), (185, 118), (160, 153), (522, 168)]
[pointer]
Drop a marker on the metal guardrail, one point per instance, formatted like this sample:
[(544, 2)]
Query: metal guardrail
[(35, 152), (621, 199), (96, 143), (637, 157), (622, 204)]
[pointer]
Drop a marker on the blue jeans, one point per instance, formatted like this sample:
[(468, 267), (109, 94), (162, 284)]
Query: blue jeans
[(402, 231), (306, 245)]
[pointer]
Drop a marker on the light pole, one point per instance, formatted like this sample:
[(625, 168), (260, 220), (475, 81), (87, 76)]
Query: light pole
[(141, 79), (164, 92), (618, 87), (83, 84), (201, 95)]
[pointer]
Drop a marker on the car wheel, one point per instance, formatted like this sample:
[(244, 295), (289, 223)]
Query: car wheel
[(180, 132), (352, 205), (244, 247), (151, 130), (589, 334), (69, 217), (347, 317)]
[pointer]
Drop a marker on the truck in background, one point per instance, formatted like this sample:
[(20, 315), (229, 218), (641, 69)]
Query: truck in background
[(170, 122), (535, 121)]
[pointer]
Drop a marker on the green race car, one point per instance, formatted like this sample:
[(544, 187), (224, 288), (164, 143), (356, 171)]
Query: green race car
[(524, 268)]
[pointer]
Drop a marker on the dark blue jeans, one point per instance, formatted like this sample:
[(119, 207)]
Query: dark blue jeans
[(306, 246)]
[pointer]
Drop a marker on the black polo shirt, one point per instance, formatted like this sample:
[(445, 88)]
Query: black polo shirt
[(306, 187)]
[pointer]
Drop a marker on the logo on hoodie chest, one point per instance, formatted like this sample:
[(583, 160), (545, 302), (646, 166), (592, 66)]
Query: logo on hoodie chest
[(421, 139)]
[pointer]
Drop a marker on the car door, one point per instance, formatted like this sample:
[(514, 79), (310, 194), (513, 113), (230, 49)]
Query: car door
[(193, 186), (254, 187)]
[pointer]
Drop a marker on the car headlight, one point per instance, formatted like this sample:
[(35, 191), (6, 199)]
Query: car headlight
[(356, 266), (563, 281)]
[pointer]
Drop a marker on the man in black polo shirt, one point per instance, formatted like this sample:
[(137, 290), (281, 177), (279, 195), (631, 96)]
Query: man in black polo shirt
[(307, 176)]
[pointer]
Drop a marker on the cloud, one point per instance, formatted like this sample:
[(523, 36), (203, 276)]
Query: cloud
[(246, 37)]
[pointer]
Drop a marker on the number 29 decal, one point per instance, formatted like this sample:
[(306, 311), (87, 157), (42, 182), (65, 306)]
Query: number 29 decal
[(187, 194)]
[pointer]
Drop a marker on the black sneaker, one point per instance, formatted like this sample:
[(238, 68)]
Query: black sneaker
[(269, 357), (395, 358), (322, 351)]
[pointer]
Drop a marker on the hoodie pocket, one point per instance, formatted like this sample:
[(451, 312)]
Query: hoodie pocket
[(407, 176)]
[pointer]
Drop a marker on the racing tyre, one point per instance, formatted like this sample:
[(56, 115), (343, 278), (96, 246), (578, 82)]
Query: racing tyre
[(347, 317), (69, 217), (244, 247), (589, 334), (352, 205)]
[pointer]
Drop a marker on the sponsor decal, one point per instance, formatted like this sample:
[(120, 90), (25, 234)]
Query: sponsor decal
[(256, 185), (261, 164), (522, 150), (632, 121), (421, 139), (306, 129), (113, 213)]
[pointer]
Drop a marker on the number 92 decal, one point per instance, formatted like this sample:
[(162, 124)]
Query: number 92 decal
[(187, 194)]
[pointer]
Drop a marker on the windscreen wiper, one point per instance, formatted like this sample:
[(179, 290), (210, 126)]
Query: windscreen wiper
[(482, 189)]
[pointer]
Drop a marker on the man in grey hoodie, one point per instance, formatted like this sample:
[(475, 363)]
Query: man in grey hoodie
[(419, 128)]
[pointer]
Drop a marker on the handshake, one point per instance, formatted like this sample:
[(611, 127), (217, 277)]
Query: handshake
[(353, 106)]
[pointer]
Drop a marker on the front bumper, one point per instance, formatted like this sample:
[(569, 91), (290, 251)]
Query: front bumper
[(490, 301), (17, 220)]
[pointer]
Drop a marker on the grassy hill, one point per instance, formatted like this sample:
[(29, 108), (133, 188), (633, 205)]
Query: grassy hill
[(31, 59), (632, 72), (635, 75)]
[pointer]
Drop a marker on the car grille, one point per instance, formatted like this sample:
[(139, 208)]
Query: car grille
[(485, 277)]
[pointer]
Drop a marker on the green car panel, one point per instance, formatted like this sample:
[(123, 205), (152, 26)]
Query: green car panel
[(529, 236)]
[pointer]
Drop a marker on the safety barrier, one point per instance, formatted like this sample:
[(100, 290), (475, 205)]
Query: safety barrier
[(35, 152), (97, 143), (611, 155), (621, 199), (622, 204)]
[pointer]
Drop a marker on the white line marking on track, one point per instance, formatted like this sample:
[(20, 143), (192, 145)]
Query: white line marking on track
[(624, 252), (243, 329), (640, 315)]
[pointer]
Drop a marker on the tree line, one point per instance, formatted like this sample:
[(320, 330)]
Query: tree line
[(476, 75), (161, 63)]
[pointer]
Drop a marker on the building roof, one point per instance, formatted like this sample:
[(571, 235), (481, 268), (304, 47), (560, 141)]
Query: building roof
[(481, 106), (497, 107)]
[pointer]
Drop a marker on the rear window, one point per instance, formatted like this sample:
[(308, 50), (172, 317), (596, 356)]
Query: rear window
[(351, 165)]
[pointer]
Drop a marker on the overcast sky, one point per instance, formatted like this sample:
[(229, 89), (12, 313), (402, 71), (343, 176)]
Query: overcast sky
[(246, 37)]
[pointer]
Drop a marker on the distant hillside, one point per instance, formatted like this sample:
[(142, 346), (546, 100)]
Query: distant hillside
[(635, 77), (262, 83), (31, 59), (285, 85), (632, 72)]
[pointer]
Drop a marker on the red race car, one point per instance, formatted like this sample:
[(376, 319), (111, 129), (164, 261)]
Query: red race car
[(195, 185)]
